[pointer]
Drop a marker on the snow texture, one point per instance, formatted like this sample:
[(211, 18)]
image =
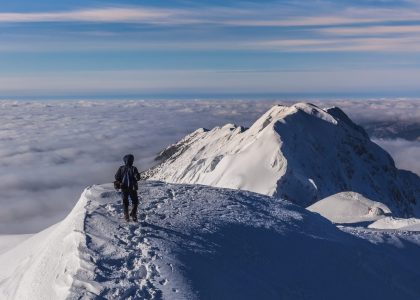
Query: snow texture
[(301, 153), (198, 242)]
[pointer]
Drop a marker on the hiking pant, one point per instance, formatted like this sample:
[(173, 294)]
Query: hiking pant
[(134, 199)]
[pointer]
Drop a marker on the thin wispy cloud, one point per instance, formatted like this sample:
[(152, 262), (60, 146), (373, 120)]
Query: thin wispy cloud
[(350, 30), (366, 42), (360, 44), (374, 30), (258, 15), (106, 14)]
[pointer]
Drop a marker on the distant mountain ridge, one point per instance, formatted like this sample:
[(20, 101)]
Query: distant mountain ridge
[(302, 153)]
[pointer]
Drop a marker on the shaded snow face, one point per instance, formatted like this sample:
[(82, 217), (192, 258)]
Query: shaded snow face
[(50, 151)]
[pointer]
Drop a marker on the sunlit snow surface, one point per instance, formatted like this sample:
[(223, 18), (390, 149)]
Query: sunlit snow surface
[(411, 224), (350, 207), (197, 242)]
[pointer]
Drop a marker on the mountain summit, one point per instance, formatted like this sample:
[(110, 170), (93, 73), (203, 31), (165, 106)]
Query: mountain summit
[(301, 153)]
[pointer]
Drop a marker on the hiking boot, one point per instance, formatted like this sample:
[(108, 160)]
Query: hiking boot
[(134, 216), (126, 215), (133, 213)]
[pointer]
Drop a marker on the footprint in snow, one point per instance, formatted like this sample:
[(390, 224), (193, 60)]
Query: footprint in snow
[(140, 273), (161, 216)]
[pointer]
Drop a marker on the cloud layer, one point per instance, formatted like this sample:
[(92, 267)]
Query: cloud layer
[(50, 151), (405, 153)]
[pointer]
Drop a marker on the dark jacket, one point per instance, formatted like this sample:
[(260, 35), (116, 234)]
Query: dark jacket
[(128, 175)]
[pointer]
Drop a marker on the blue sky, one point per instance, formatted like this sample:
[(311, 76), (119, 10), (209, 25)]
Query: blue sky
[(198, 48)]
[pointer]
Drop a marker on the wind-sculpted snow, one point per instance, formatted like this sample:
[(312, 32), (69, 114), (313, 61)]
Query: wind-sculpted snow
[(350, 208), (44, 265), (198, 242), (410, 224), (301, 153)]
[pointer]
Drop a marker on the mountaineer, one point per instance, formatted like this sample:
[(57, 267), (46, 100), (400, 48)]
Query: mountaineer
[(126, 179)]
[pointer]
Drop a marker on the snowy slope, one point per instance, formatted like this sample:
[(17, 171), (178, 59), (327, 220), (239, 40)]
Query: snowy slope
[(349, 207), (199, 242), (301, 153)]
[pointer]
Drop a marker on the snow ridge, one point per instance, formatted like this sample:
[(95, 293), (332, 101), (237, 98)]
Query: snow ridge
[(199, 242)]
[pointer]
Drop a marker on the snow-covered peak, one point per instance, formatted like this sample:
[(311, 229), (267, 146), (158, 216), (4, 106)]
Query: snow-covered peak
[(313, 110), (301, 152), (274, 114), (281, 113)]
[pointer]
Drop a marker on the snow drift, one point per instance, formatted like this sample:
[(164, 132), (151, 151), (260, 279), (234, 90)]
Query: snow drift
[(411, 224), (349, 207), (301, 153), (198, 242)]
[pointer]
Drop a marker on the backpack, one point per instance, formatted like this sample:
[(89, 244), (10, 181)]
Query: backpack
[(128, 177)]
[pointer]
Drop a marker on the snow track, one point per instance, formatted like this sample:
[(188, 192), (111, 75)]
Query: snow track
[(122, 253)]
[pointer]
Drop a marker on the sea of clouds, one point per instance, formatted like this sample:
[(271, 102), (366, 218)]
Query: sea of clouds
[(51, 150)]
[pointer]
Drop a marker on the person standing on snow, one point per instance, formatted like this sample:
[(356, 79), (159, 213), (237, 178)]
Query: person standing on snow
[(126, 179)]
